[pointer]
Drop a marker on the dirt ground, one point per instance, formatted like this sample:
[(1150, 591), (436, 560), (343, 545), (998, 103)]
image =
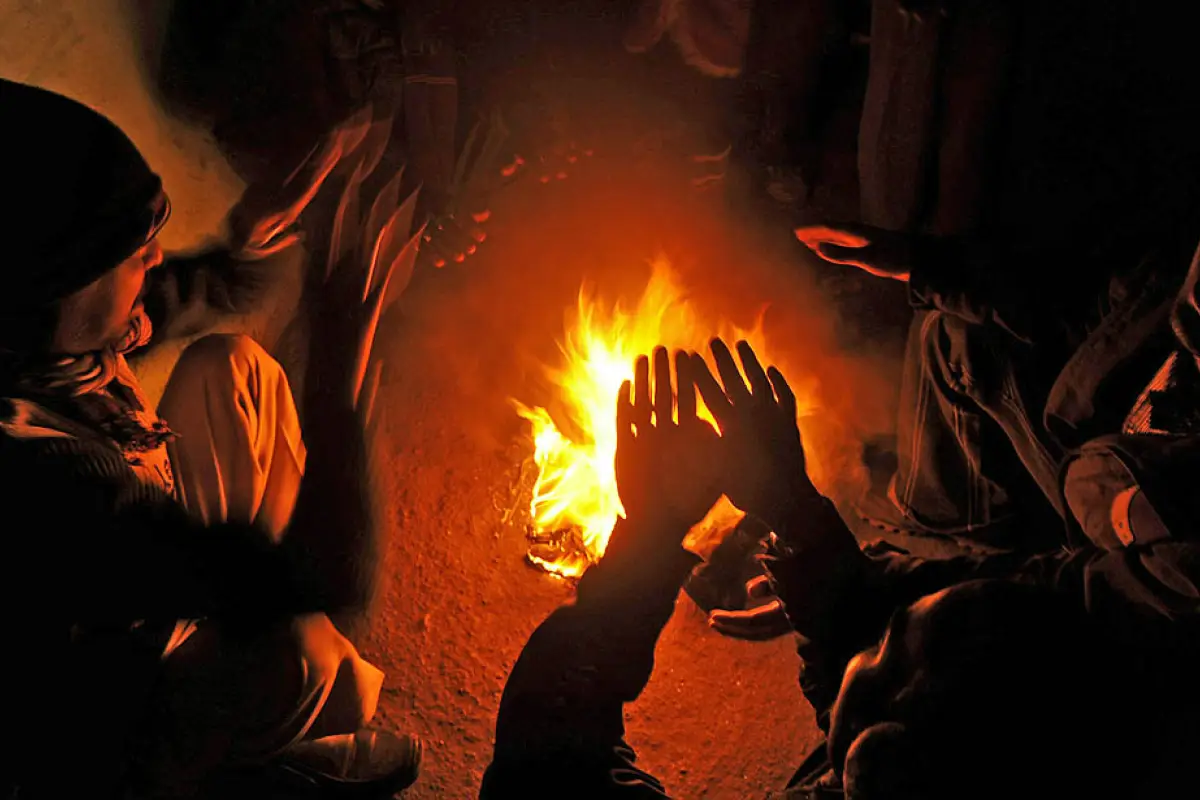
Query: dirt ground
[(720, 718)]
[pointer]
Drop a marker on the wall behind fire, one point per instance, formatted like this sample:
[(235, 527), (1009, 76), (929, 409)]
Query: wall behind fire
[(105, 53)]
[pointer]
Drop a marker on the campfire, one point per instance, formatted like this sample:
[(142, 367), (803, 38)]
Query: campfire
[(574, 502)]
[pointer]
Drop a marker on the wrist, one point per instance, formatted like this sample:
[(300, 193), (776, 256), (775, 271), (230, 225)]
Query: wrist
[(657, 535), (814, 530), (798, 503), (648, 575)]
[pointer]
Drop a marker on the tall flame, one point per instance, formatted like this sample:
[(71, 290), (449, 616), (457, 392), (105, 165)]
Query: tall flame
[(576, 489)]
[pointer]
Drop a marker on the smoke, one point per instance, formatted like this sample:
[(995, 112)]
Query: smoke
[(496, 321)]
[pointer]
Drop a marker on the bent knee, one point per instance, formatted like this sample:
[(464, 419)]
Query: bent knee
[(224, 360), (214, 351)]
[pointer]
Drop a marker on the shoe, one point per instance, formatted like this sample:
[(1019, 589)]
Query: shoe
[(815, 779), (364, 765)]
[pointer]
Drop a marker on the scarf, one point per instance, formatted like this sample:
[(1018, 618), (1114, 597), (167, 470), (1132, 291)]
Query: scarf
[(95, 390)]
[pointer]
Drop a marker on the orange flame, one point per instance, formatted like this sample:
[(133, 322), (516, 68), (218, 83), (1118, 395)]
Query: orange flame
[(576, 486)]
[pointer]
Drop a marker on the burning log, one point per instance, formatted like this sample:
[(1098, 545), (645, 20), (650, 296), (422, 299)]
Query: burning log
[(563, 552)]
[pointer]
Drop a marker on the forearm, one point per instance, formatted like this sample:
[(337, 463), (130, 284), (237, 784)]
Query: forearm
[(562, 710), (824, 581), (334, 536)]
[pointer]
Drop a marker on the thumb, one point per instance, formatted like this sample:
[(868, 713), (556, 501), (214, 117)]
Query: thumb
[(846, 235), (368, 394), (768, 621)]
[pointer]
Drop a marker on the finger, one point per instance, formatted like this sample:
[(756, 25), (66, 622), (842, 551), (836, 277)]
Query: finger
[(841, 254), (511, 168), (366, 346), (664, 401), (758, 587), (758, 624), (735, 386), (370, 391), (624, 411), (865, 258), (783, 392), (642, 407), (760, 387), (845, 235), (714, 396), (685, 388), (270, 227)]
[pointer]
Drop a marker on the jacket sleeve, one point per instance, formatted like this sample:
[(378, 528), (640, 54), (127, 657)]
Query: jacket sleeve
[(560, 729), (187, 294), (129, 551), (1061, 295)]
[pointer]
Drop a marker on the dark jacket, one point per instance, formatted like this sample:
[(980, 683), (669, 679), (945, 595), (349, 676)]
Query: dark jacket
[(560, 727)]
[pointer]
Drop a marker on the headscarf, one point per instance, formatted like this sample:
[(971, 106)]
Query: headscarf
[(81, 199)]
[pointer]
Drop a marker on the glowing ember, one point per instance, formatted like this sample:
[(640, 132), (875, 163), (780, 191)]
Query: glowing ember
[(575, 502)]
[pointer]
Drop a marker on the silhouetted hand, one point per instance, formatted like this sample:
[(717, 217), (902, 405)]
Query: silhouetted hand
[(263, 221), (763, 459), (758, 623), (449, 239), (885, 254), (667, 469), (351, 300)]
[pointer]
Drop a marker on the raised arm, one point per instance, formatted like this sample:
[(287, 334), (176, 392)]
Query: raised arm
[(560, 728)]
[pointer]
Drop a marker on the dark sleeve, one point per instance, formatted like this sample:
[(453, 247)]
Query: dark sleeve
[(975, 282), (840, 605), (560, 730), (129, 551), (187, 294), (1045, 295)]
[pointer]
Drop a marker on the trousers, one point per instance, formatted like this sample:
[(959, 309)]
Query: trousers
[(225, 699)]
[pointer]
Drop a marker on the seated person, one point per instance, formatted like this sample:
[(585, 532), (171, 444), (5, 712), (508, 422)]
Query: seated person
[(981, 676), (169, 577), (1046, 245), (1002, 382)]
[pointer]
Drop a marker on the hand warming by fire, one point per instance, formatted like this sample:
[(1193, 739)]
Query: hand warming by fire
[(575, 500), (672, 465)]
